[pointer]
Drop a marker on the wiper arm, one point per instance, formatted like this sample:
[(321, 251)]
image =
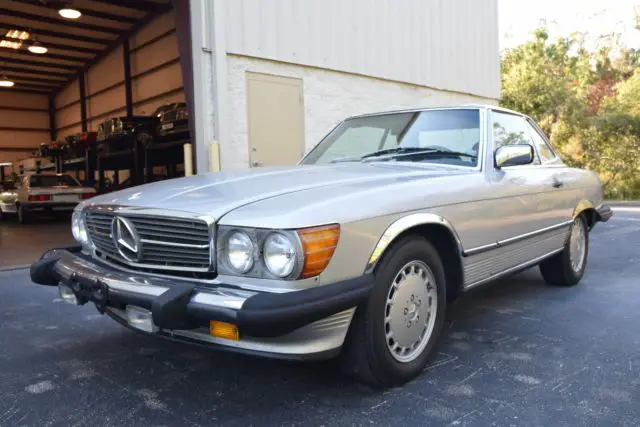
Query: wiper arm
[(452, 153), (397, 150)]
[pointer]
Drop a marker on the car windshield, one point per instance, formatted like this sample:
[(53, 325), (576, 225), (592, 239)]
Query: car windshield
[(53, 181), (448, 136)]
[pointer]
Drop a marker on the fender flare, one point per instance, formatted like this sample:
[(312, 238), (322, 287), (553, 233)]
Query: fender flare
[(583, 205), (401, 225)]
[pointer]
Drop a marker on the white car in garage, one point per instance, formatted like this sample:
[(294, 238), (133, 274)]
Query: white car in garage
[(44, 192)]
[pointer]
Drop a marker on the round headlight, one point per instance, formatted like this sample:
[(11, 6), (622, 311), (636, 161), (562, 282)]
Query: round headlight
[(78, 229), (279, 254), (240, 252)]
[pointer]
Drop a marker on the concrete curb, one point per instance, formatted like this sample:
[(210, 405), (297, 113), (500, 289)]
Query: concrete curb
[(14, 267), (622, 202)]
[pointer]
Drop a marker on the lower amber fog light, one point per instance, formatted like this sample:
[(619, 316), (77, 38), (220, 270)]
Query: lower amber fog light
[(224, 330)]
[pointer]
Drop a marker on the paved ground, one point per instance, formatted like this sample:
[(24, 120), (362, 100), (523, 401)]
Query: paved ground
[(516, 353), (22, 244)]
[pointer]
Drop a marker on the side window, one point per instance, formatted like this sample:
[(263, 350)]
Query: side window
[(544, 151), (510, 129)]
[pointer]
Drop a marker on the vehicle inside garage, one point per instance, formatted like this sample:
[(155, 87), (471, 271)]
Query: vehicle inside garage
[(92, 90)]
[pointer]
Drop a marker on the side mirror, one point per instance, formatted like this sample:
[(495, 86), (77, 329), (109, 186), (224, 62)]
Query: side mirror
[(513, 155)]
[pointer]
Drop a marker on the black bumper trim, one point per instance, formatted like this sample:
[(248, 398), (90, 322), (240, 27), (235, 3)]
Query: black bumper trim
[(604, 213), (47, 206), (264, 314)]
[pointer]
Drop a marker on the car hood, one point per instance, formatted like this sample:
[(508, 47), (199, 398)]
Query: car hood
[(215, 194)]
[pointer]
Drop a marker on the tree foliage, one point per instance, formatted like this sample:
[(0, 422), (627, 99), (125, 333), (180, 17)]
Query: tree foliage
[(586, 102)]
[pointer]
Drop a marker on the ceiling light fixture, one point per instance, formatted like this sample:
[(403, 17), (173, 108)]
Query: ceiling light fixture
[(70, 13), (11, 44), (37, 48), (5, 82), (18, 34)]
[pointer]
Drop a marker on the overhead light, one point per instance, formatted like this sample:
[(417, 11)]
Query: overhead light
[(37, 47), (17, 34), (11, 44), (70, 13), (5, 82)]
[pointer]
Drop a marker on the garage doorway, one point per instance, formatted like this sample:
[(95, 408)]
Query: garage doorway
[(275, 121)]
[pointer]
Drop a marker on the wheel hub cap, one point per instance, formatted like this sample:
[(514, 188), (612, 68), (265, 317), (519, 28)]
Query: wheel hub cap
[(410, 311), (577, 246)]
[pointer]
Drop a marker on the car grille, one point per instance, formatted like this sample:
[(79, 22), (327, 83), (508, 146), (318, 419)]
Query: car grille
[(166, 243), (170, 116)]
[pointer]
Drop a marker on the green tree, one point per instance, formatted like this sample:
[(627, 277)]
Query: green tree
[(587, 102)]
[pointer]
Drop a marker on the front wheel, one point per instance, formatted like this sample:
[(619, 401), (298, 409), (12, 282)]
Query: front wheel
[(394, 334), (566, 268)]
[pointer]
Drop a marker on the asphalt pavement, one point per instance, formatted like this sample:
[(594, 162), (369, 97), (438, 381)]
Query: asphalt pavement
[(516, 353)]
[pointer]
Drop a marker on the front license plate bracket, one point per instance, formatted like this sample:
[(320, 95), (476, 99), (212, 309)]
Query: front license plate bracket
[(94, 291)]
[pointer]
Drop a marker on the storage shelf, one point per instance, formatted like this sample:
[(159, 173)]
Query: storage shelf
[(138, 160)]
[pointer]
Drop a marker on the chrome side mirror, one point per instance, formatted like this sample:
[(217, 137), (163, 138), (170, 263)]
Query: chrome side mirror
[(513, 155)]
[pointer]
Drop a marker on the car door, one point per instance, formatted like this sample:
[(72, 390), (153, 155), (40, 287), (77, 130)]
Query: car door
[(564, 194), (522, 206)]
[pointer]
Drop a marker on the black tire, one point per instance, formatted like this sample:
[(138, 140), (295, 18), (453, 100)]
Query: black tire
[(102, 148), (145, 139), (558, 270), (365, 355)]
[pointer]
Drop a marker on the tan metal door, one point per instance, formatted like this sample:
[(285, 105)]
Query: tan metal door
[(275, 111)]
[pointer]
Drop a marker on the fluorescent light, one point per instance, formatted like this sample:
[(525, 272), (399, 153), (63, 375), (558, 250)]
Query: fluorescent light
[(36, 47), (5, 82), (17, 34), (10, 44), (70, 13)]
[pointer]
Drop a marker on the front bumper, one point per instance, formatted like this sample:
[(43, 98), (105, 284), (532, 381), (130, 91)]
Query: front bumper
[(49, 206), (302, 324), (604, 212)]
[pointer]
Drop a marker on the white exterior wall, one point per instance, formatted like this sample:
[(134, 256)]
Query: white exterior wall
[(329, 96), (442, 44), (354, 56)]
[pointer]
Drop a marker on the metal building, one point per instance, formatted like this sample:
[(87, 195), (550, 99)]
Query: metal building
[(271, 77)]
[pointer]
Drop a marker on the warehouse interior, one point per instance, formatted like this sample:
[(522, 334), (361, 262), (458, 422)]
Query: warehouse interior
[(92, 88)]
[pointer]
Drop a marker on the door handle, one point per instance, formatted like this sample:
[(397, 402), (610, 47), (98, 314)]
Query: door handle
[(256, 163), (557, 183)]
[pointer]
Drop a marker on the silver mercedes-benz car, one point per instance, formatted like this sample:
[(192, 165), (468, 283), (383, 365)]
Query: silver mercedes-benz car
[(354, 253)]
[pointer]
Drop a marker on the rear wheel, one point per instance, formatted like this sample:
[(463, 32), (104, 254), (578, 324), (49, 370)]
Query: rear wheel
[(395, 333), (566, 268), (145, 139)]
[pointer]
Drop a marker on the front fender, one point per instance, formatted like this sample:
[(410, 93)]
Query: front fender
[(403, 224)]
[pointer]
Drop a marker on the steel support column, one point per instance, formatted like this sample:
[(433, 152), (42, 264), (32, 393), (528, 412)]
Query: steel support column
[(128, 92)]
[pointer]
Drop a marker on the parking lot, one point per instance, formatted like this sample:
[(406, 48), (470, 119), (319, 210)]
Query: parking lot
[(517, 353)]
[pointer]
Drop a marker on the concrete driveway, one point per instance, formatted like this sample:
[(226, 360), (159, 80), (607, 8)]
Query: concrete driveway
[(515, 353)]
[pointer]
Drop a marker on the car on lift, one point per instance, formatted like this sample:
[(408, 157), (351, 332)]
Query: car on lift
[(122, 132), (352, 254), (43, 193), (77, 145), (173, 122)]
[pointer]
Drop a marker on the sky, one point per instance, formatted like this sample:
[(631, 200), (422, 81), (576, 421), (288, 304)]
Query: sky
[(517, 19)]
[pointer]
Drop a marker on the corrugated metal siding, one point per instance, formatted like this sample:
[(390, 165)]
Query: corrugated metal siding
[(444, 44)]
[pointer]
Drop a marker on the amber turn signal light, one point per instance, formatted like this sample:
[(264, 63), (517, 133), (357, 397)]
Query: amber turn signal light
[(224, 330), (318, 246)]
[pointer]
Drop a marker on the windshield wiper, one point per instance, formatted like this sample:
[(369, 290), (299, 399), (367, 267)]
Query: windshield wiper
[(452, 153), (397, 150), (393, 153)]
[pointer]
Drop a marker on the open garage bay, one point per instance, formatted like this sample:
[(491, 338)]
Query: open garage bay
[(517, 352)]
